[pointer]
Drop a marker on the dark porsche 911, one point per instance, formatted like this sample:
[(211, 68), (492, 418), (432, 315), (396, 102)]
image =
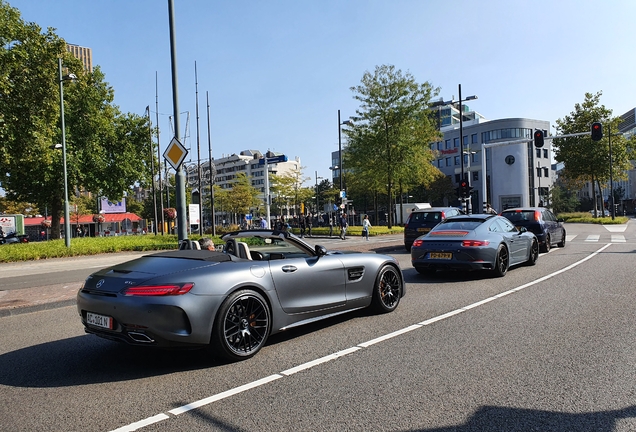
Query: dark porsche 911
[(233, 300), (474, 242)]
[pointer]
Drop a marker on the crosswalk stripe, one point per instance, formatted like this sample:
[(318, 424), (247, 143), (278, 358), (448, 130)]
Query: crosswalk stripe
[(592, 238), (617, 238)]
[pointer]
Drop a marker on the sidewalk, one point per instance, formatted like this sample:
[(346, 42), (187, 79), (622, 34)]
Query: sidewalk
[(19, 301)]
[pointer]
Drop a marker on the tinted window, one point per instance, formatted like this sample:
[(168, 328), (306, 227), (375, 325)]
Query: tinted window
[(519, 216), (425, 217), (463, 224), (506, 225)]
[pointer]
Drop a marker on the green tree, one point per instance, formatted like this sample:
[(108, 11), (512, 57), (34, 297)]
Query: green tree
[(587, 160), (107, 151), (389, 145), (242, 197)]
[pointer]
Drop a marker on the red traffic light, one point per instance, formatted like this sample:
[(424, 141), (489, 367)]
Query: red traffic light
[(463, 184), (597, 131), (538, 138)]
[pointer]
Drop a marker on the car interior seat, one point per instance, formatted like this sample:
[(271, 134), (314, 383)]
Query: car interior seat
[(243, 251)]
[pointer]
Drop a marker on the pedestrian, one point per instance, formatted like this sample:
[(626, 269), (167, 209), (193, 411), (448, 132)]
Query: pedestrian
[(331, 224), (301, 225), (490, 210), (263, 223), (343, 226), (206, 244), (308, 223), (366, 226)]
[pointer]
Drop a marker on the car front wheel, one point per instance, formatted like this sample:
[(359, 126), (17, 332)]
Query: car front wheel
[(242, 325), (387, 289)]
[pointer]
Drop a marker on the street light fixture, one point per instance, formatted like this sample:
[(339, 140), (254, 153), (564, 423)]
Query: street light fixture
[(61, 79)]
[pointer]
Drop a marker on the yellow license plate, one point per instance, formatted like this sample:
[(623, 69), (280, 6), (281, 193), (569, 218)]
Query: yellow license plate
[(441, 255), (423, 229)]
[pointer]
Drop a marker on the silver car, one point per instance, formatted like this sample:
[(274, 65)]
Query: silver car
[(263, 282)]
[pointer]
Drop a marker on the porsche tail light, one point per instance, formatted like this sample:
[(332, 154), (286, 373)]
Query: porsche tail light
[(158, 290), (475, 243), (418, 243)]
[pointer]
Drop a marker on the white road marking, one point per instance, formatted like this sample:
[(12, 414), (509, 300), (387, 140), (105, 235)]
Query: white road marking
[(593, 238), (570, 237), (231, 392), (616, 228), (618, 238)]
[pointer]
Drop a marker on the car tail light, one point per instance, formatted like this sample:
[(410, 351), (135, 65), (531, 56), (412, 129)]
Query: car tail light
[(475, 243), (418, 243), (443, 215), (537, 215), (158, 290)]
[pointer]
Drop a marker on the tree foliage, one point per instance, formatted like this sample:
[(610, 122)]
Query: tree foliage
[(388, 145), (587, 160), (107, 151)]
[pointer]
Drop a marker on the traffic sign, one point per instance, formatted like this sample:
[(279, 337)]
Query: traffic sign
[(273, 160), (175, 153)]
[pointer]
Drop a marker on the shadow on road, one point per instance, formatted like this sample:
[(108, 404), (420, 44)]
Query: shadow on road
[(495, 419)]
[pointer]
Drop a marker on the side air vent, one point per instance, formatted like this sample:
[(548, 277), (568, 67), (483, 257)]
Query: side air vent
[(355, 273)]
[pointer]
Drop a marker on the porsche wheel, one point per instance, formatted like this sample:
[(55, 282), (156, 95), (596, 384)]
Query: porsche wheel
[(387, 290), (534, 253), (242, 325), (502, 261)]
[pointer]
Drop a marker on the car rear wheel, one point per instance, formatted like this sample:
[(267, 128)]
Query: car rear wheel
[(502, 261), (534, 253), (242, 325), (387, 290), (562, 242), (547, 245)]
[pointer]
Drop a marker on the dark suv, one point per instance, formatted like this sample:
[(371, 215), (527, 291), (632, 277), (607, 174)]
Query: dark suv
[(420, 222), (540, 221)]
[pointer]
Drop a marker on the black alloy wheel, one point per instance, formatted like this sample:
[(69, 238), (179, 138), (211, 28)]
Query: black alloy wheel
[(534, 253), (242, 325), (561, 244), (502, 261), (387, 290), (547, 245)]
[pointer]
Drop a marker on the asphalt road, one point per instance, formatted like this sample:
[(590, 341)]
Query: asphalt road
[(546, 348)]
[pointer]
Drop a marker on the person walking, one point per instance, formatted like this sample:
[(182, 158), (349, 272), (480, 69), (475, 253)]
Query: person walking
[(309, 224), (343, 226), (366, 226), (301, 225), (331, 224)]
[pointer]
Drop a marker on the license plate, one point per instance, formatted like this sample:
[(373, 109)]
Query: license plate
[(423, 229), (441, 255), (99, 320)]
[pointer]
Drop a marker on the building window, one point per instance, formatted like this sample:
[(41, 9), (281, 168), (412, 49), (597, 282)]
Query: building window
[(546, 172), (456, 142), (457, 177), (440, 163), (538, 152), (448, 144), (475, 175), (448, 161), (545, 153), (456, 160), (473, 138)]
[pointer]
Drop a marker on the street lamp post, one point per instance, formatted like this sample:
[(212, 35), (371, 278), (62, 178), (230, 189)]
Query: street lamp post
[(461, 137), (317, 203), (61, 79), (340, 164)]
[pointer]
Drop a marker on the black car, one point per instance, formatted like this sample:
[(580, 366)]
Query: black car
[(422, 221), (540, 221)]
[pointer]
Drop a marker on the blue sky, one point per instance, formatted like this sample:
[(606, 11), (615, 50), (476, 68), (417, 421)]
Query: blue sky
[(278, 71)]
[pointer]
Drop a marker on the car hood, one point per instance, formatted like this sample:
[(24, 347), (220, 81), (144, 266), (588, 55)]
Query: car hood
[(116, 278)]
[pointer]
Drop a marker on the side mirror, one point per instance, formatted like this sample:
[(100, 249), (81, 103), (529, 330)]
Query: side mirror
[(522, 229), (320, 250)]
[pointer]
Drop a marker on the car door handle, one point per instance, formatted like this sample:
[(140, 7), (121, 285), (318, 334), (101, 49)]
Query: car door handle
[(289, 269)]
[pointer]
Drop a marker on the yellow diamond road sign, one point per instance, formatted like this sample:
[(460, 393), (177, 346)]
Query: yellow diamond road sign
[(175, 153)]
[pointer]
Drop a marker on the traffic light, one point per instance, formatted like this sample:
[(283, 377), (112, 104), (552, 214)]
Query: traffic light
[(597, 131), (538, 138), (463, 188)]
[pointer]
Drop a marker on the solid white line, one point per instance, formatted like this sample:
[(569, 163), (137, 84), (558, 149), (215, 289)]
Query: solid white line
[(228, 393), (185, 408), (142, 423)]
